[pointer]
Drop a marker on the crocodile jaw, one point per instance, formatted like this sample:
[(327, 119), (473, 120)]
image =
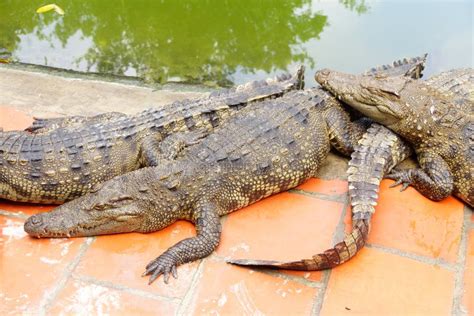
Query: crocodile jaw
[(375, 97), (122, 204), (66, 221)]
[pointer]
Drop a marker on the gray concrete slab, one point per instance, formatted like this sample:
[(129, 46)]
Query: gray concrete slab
[(44, 95)]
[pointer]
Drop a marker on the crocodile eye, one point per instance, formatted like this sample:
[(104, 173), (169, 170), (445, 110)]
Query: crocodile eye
[(100, 206), (122, 198)]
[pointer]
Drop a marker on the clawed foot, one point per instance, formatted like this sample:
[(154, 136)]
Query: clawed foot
[(401, 177), (164, 264)]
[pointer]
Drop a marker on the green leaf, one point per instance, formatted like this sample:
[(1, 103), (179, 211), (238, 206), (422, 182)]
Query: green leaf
[(50, 7)]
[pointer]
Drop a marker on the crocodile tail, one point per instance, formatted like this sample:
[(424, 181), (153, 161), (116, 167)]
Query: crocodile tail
[(297, 79), (340, 253), (411, 67), (378, 151)]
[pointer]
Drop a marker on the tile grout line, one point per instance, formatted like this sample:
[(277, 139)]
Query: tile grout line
[(341, 198), (192, 290), (50, 295), (457, 306), (413, 256), (123, 288), (340, 228), (470, 225), (13, 215)]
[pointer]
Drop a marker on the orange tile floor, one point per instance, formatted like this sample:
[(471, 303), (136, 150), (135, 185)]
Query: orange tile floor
[(419, 260)]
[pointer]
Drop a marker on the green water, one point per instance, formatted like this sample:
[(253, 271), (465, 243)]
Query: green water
[(226, 42)]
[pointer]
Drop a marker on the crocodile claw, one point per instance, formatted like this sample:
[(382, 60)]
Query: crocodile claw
[(401, 177), (163, 265)]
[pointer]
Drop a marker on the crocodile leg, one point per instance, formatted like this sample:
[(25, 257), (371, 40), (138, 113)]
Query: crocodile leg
[(342, 138), (44, 125), (434, 180), (155, 151), (208, 228)]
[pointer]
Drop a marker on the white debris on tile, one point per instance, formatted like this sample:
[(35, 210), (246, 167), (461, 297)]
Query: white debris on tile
[(91, 299), (222, 300), (49, 261), (13, 230), (240, 291)]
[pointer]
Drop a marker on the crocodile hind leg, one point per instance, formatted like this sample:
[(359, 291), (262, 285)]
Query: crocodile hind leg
[(434, 180), (44, 125), (208, 228)]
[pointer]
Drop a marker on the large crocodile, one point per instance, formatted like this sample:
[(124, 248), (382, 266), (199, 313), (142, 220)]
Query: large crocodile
[(220, 174), (376, 154), (67, 157), (440, 129)]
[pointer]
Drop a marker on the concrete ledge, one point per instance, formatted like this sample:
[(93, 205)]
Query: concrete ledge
[(45, 95)]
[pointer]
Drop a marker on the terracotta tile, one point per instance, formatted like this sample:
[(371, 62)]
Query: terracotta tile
[(468, 297), (282, 227), (384, 284), (12, 119), (229, 290), (331, 187), (122, 258), (26, 261), (410, 222), (83, 298)]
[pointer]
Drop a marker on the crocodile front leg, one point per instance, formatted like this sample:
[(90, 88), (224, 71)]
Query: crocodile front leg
[(155, 150), (343, 134), (208, 227), (434, 180)]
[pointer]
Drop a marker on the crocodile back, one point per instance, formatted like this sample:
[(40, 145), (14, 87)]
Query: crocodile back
[(259, 152), (67, 162)]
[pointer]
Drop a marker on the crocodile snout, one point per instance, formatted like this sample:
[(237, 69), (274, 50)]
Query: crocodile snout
[(32, 224), (322, 75)]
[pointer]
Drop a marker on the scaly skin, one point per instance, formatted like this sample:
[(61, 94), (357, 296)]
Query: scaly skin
[(458, 83), (67, 157), (376, 153), (409, 67), (220, 174), (212, 178), (45, 125), (440, 129)]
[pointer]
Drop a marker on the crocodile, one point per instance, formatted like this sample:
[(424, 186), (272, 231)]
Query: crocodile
[(440, 128), (218, 175), (376, 154), (66, 157), (412, 67)]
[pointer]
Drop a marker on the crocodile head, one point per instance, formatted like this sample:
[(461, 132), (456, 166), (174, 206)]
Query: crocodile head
[(135, 201), (377, 97)]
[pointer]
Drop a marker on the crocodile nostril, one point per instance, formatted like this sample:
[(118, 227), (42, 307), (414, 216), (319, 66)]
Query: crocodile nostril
[(35, 220), (322, 75), (325, 72)]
